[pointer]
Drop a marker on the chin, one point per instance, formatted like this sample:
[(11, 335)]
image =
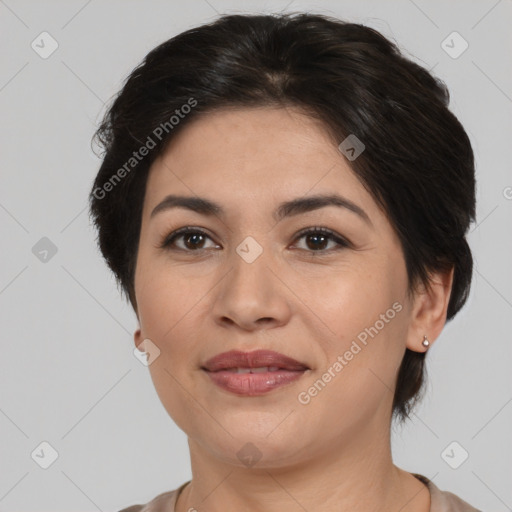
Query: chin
[(250, 450)]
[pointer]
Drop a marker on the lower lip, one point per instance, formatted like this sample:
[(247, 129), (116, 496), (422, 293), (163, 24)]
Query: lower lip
[(253, 384)]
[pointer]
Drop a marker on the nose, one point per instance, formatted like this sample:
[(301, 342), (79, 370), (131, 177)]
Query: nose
[(251, 295)]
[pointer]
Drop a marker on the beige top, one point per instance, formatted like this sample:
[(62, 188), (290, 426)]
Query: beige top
[(440, 501)]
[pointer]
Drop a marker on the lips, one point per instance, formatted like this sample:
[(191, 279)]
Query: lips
[(236, 360), (251, 374)]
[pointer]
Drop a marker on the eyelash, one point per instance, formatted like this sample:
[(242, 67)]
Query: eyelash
[(168, 240)]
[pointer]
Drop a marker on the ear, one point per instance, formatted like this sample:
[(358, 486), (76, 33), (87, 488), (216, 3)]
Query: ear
[(429, 310)]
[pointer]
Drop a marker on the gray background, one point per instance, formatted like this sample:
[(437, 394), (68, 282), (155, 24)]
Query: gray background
[(68, 375)]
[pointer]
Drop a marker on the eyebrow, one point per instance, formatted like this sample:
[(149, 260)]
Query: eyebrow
[(297, 206)]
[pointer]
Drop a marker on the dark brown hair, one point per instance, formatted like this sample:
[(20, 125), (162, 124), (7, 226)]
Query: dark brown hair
[(417, 162)]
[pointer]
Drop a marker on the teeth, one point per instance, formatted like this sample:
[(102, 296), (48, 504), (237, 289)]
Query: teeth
[(262, 369)]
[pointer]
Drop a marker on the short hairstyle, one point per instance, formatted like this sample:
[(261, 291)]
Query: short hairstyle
[(417, 161)]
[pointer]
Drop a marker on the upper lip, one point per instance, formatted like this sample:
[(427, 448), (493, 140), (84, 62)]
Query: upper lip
[(254, 359)]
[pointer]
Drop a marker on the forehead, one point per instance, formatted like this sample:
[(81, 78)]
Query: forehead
[(257, 155)]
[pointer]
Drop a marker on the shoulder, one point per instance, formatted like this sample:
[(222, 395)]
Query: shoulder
[(440, 501), (160, 503), (164, 502), (444, 501)]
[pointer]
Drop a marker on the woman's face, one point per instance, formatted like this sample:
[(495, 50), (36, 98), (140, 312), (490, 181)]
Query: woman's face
[(340, 309)]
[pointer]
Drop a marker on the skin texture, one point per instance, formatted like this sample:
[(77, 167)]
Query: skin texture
[(332, 454)]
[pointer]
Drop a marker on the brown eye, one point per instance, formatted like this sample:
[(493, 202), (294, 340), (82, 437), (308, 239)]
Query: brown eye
[(193, 240), (317, 240)]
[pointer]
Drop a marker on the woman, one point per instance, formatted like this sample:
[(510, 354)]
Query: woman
[(272, 205)]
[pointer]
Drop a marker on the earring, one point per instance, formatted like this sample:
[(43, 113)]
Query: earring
[(425, 342)]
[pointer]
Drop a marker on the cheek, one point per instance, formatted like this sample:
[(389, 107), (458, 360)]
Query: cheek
[(173, 308), (166, 312), (366, 314), (356, 380), (163, 298), (349, 300)]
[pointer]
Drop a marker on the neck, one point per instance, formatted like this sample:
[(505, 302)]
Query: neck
[(359, 476)]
